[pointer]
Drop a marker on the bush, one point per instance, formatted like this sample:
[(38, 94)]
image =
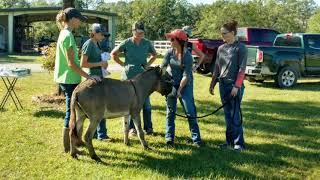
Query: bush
[(49, 56)]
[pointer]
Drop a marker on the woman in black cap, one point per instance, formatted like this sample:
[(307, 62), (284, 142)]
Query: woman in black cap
[(91, 58), (67, 71)]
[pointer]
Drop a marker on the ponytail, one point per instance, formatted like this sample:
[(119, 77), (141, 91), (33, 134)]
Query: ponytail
[(61, 19)]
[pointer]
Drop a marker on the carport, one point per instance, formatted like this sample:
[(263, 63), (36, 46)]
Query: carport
[(14, 23)]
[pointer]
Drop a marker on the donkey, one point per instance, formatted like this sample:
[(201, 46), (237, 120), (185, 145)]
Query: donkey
[(110, 99)]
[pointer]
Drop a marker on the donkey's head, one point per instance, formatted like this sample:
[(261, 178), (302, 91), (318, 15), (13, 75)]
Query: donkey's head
[(165, 83), (164, 80)]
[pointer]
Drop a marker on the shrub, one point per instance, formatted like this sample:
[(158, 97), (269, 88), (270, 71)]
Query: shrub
[(49, 56)]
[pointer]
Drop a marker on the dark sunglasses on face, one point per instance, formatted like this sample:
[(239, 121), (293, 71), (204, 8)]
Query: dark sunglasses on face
[(172, 39)]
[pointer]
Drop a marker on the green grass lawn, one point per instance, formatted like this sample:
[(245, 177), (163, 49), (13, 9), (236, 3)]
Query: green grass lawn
[(282, 132), (19, 58)]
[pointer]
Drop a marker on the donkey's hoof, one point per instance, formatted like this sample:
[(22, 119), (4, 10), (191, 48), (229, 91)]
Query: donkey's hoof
[(74, 156), (147, 148), (96, 158)]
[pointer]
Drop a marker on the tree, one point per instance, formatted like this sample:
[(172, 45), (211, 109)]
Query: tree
[(313, 23), (14, 4)]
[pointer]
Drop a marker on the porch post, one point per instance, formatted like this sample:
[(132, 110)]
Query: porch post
[(10, 33)]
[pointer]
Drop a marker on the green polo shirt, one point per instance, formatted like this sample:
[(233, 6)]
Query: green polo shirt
[(62, 72), (135, 55), (93, 52)]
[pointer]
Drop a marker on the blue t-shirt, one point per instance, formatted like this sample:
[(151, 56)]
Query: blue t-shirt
[(177, 68)]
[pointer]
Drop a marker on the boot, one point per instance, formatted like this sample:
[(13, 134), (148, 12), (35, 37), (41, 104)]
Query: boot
[(66, 139)]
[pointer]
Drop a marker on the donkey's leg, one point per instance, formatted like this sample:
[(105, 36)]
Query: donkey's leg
[(126, 129), (137, 124), (89, 135), (76, 134), (80, 120)]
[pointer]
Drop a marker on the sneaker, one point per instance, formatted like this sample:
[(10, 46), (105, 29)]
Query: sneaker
[(225, 146), (199, 144), (133, 132), (107, 139), (238, 148), (149, 131)]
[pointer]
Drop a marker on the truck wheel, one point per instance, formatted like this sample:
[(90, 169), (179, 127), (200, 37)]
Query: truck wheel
[(287, 77)]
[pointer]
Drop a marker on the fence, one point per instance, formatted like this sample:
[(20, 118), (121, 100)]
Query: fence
[(160, 46)]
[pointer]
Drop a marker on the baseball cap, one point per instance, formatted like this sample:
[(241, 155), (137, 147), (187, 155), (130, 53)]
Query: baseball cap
[(178, 34), (138, 26), (74, 13), (99, 28), (188, 30)]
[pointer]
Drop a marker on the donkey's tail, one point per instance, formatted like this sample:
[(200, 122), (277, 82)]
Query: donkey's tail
[(72, 122)]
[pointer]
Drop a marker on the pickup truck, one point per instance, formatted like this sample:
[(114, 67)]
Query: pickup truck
[(247, 35), (292, 56)]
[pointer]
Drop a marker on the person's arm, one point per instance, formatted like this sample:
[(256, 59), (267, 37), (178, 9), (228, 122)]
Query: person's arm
[(152, 59), (187, 71), (153, 52), (115, 53), (86, 64), (72, 64), (215, 75), (200, 54), (243, 52)]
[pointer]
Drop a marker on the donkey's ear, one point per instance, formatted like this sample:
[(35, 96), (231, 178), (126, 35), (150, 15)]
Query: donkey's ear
[(163, 70), (144, 66)]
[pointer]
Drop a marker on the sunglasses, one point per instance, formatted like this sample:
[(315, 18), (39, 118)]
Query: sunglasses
[(172, 39)]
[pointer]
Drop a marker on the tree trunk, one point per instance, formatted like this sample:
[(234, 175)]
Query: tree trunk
[(68, 3)]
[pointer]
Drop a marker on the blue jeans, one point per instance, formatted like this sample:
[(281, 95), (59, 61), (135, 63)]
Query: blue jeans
[(234, 130), (101, 132), (68, 90), (187, 101), (147, 122)]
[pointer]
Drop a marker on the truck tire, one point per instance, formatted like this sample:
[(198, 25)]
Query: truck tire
[(286, 77)]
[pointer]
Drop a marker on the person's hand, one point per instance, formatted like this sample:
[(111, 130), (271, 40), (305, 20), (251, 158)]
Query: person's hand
[(95, 78), (234, 91), (211, 89), (104, 64), (195, 67), (179, 93)]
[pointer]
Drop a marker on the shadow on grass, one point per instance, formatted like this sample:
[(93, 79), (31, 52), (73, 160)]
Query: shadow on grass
[(210, 162), (49, 113)]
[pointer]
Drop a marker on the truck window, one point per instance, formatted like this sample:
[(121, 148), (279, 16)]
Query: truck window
[(242, 34), (291, 41), (313, 42)]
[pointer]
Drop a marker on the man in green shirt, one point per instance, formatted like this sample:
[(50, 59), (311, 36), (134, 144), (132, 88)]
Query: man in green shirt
[(136, 50)]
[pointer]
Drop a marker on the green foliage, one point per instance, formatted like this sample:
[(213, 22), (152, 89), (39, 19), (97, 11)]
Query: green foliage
[(281, 127), (284, 16), (48, 59), (160, 16), (313, 23), (14, 4)]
